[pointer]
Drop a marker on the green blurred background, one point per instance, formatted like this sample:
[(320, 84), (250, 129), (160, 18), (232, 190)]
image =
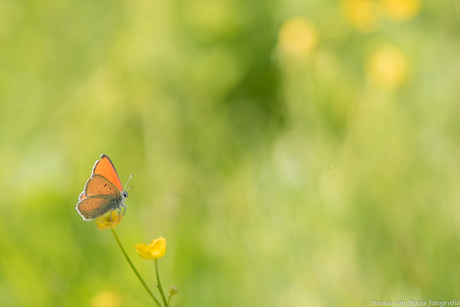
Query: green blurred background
[(292, 153)]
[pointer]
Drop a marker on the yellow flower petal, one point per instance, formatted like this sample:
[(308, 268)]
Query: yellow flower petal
[(143, 251), (156, 249), (109, 220)]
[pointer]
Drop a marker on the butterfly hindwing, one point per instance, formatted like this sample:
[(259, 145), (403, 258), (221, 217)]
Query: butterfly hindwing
[(99, 185), (95, 206), (105, 168)]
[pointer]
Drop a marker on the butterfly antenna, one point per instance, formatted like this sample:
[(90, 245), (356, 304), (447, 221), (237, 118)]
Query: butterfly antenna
[(128, 181)]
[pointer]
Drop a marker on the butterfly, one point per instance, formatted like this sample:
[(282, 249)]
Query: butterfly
[(103, 191)]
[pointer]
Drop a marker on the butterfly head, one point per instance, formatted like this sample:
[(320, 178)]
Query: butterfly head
[(125, 193)]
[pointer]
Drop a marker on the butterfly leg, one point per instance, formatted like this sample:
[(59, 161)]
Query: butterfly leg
[(124, 210), (119, 214)]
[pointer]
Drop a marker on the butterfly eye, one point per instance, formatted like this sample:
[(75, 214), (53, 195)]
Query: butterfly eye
[(125, 194)]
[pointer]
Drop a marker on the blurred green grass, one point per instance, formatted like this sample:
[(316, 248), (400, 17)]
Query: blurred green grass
[(230, 114)]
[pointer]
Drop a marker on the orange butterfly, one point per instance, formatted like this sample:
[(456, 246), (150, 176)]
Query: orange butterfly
[(103, 191)]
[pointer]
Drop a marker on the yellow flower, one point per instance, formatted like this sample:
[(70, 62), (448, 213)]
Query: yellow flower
[(109, 220), (154, 250)]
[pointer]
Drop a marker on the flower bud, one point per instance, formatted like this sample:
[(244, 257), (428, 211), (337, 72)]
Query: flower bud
[(173, 290)]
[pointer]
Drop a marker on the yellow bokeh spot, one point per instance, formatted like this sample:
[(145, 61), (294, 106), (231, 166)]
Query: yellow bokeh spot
[(364, 15), (106, 299), (156, 249), (400, 10), (387, 67), (297, 37)]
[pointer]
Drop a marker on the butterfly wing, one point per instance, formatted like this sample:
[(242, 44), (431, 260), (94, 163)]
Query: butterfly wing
[(82, 196), (95, 206), (99, 185), (105, 168), (102, 191)]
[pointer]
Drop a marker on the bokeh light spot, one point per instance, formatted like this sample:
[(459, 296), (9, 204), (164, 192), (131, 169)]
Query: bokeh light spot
[(387, 67), (297, 37), (400, 10), (106, 299), (363, 15)]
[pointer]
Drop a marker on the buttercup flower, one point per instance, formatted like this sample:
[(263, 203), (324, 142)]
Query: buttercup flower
[(109, 220), (156, 249)]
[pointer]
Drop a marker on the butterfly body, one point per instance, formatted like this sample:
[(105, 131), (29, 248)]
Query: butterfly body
[(103, 191)]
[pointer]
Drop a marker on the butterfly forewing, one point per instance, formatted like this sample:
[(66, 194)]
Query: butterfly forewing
[(82, 196), (99, 185), (105, 168), (95, 206)]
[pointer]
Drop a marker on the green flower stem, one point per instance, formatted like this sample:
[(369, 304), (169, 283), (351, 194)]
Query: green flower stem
[(134, 269), (159, 284)]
